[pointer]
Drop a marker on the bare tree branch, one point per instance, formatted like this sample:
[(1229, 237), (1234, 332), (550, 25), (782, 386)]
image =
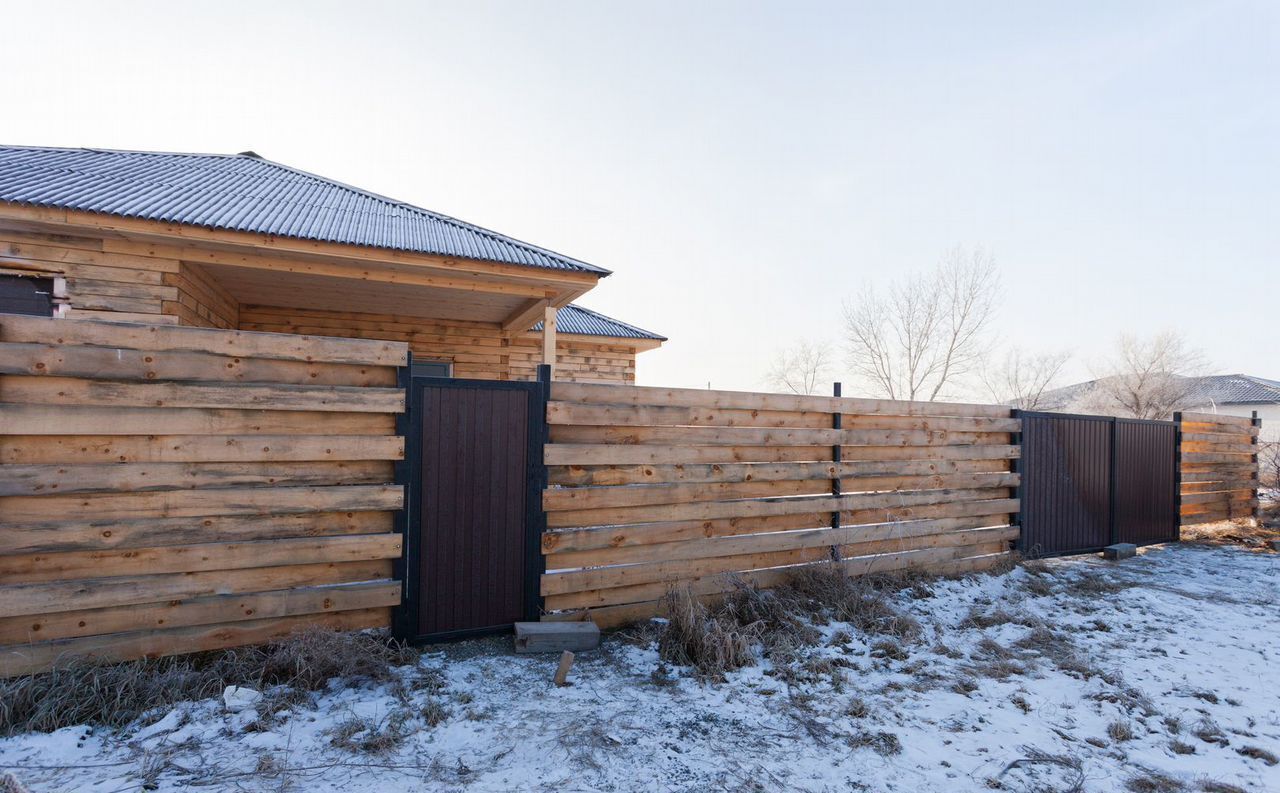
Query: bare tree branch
[(927, 331), (1148, 378), (801, 369), (1022, 379)]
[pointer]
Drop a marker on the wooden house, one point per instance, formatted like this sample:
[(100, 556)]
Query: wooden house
[(240, 242)]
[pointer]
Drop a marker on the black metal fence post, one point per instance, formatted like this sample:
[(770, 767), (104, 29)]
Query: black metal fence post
[(404, 623), (837, 454), (1177, 476), (1015, 439), (536, 516), (1113, 484)]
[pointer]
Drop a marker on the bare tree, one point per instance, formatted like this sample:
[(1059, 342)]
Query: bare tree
[(801, 369), (1148, 378), (1022, 379), (927, 331)]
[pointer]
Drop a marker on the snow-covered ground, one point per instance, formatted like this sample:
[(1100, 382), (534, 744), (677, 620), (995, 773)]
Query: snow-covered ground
[(1158, 673)]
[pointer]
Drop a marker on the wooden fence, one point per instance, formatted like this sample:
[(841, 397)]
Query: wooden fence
[(168, 489), (651, 488), (1219, 467)]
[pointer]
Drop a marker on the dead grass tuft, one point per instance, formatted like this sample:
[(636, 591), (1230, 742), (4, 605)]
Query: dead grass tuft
[(712, 643), (1120, 731), (367, 736), (113, 695), (882, 743), (1149, 781), (1258, 753), (862, 601)]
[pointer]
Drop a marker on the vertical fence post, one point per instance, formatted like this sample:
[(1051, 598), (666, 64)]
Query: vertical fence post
[(535, 515), (1015, 439), (1177, 476), (1257, 471), (1113, 531), (404, 624), (837, 453)]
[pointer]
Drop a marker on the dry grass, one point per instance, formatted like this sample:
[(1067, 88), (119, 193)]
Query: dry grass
[(114, 695), (1120, 731), (1243, 533), (1149, 781), (711, 642), (1258, 753)]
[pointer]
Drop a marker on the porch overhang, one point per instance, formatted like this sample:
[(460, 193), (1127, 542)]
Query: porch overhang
[(296, 273)]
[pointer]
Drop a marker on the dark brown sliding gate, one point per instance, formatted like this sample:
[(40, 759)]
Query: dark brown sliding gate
[(475, 475), (1090, 481)]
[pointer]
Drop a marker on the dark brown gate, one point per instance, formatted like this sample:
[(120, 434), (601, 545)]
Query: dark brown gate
[(1090, 481), (472, 557)]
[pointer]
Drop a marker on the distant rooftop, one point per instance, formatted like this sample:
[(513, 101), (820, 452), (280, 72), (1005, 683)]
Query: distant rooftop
[(244, 192), (584, 321), (1217, 389)]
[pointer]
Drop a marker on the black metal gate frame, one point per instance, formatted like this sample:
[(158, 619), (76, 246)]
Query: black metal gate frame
[(408, 519), (1111, 507)]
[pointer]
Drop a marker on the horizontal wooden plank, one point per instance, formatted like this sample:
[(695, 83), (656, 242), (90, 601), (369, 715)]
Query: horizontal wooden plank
[(92, 420), (198, 611), (142, 318), (28, 659), (1214, 457), (20, 480), (1218, 497), (45, 598), (95, 535), (196, 503), (71, 565), (72, 449), (654, 415), (33, 390), (776, 436), (562, 540), (1250, 485), (770, 541), (731, 509), (130, 364), (1216, 437), (238, 343), (762, 472), (623, 454), (597, 497), (939, 561), (590, 584), (1220, 473), (1216, 418), (745, 400)]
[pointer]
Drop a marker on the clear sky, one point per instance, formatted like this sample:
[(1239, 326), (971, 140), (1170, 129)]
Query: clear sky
[(744, 168)]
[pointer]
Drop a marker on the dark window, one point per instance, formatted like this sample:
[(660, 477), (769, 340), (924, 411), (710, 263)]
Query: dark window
[(22, 295), (432, 369)]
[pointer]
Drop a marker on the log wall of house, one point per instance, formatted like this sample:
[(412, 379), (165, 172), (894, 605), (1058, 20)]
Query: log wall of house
[(108, 285), (476, 349)]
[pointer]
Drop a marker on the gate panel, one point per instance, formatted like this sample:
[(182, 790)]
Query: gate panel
[(1066, 484), (473, 522), (1146, 481)]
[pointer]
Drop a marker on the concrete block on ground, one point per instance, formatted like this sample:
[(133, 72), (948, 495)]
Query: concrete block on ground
[(1121, 550), (555, 637)]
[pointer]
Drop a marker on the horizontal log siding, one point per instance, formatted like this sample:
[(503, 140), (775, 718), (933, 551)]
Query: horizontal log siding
[(477, 350), (1219, 467), (654, 488), (170, 489)]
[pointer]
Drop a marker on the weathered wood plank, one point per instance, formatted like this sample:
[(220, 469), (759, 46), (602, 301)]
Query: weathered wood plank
[(71, 449), (35, 390), (623, 454), (46, 598), (695, 397), (28, 659), (732, 509), (209, 610), (574, 413), (129, 364), (93, 420), (241, 344), (31, 480), (72, 565), (95, 535), (763, 472)]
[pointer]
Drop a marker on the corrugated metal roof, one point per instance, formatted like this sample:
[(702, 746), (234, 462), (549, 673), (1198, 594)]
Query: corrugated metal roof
[(576, 319), (243, 192), (1234, 389)]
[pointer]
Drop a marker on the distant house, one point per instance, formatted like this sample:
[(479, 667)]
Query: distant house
[(240, 242), (1228, 394)]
